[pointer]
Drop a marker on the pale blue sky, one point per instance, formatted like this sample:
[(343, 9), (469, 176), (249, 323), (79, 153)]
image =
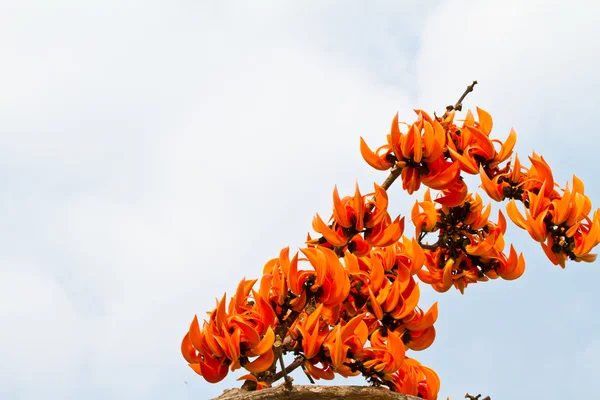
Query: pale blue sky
[(153, 153)]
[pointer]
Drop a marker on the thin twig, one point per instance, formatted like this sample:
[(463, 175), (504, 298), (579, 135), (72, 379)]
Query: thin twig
[(295, 364), (458, 105), (470, 397), (432, 247), (288, 380), (394, 173)]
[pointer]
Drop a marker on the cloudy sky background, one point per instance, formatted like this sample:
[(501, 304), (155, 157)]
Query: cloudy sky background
[(153, 153)]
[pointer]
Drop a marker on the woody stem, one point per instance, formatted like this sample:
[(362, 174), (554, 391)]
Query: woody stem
[(394, 173), (288, 380), (284, 371), (458, 105)]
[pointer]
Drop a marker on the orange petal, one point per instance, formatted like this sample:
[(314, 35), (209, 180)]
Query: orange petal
[(410, 303), (319, 262), (518, 271), (514, 214), (339, 210), (426, 321), (337, 349), (485, 120), (417, 144), (358, 205), (506, 150), (351, 325), (433, 382), (249, 333), (536, 227), (318, 373), (373, 159), (545, 173), (444, 179), (220, 312), (493, 189), (264, 345), (188, 351), (242, 292), (406, 143), (396, 138), (393, 297), (467, 162), (330, 235), (483, 143), (389, 235), (267, 315), (395, 346), (423, 340), (213, 370), (195, 334), (375, 306), (556, 259), (262, 363), (429, 142), (293, 279)]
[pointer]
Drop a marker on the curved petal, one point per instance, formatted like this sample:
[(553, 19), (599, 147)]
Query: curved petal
[(262, 363), (375, 161)]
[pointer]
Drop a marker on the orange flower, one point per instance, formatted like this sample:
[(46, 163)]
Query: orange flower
[(493, 187), (416, 380), (360, 214), (425, 221), (442, 174), (330, 276), (326, 372), (386, 354), (534, 225), (352, 336), (424, 141), (378, 159), (472, 147)]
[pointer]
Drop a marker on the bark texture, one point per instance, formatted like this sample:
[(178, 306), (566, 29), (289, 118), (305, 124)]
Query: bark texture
[(314, 392)]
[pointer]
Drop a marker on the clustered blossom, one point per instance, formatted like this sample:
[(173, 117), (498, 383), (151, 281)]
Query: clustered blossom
[(348, 302), (470, 248)]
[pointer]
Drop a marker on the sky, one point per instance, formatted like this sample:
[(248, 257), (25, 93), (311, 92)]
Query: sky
[(153, 153)]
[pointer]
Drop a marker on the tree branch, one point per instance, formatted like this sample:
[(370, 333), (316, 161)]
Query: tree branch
[(470, 397), (458, 105), (286, 370)]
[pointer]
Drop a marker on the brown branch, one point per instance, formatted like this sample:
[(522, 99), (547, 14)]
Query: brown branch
[(394, 173), (314, 392), (286, 370), (458, 105), (295, 364), (470, 397), (432, 247)]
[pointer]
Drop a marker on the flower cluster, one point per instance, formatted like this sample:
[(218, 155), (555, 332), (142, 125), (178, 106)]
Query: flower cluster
[(233, 334), (347, 303), (470, 248)]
